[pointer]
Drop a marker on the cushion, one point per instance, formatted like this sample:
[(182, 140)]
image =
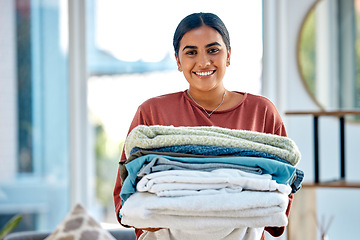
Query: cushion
[(79, 225)]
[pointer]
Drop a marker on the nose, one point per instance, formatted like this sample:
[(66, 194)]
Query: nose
[(204, 60)]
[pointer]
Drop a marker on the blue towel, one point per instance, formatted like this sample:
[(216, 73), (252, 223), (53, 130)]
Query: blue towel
[(281, 172), (210, 151), (162, 164), (226, 151)]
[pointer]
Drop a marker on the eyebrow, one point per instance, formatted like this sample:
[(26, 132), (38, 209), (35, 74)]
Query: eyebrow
[(208, 45)]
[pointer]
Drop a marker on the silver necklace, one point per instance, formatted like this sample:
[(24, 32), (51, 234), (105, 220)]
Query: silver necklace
[(209, 114)]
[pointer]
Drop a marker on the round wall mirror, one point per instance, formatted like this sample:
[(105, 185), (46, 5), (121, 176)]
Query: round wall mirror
[(328, 53)]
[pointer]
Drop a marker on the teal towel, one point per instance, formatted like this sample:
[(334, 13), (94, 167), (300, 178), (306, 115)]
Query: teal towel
[(282, 173)]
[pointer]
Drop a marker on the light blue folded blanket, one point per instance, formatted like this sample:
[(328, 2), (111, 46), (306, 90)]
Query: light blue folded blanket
[(282, 173), (160, 164), (149, 137), (217, 151)]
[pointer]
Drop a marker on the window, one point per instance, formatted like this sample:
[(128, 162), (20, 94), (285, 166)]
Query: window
[(131, 59), (34, 182), (24, 86)]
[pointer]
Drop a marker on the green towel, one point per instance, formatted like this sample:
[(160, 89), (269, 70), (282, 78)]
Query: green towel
[(156, 136)]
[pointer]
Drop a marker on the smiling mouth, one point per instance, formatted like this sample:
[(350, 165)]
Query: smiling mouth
[(204, 74)]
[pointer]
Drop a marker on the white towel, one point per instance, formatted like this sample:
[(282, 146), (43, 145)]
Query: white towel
[(213, 234), (231, 210), (182, 192), (163, 183)]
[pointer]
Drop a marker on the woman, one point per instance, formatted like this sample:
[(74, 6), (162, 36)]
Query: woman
[(202, 50)]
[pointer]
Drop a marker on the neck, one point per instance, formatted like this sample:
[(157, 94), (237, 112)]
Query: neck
[(208, 100)]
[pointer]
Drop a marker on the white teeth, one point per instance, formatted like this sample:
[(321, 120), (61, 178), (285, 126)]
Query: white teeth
[(204, 73)]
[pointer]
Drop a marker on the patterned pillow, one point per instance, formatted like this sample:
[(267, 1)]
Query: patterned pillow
[(79, 225)]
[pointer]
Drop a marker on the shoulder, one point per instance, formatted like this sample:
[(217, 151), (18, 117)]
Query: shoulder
[(264, 104), (258, 102), (258, 99), (264, 109), (158, 110), (163, 100), (151, 111)]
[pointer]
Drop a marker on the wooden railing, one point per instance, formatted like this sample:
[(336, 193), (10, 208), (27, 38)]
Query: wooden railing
[(341, 182)]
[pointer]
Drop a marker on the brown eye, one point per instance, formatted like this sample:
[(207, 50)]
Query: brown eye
[(213, 50), (193, 52)]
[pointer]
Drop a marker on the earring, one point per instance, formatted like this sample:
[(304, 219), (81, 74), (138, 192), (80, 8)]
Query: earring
[(179, 68), (228, 63)]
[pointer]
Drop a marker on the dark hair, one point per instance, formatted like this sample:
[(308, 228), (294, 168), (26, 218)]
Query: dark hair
[(196, 20)]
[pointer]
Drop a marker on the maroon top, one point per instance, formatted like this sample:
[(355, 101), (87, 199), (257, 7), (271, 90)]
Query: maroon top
[(253, 113)]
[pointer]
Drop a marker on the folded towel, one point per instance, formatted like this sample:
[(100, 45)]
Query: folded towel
[(244, 233), (163, 164), (231, 210), (194, 152), (282, 173), (159, 136), (199, 180), (182, 192), (204, 150), (187, 223)]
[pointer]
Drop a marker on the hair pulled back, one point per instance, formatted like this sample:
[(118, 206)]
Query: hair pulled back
[(197, 20)]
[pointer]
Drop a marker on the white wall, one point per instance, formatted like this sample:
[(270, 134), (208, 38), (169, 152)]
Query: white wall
[(341, 203), (299, 99)]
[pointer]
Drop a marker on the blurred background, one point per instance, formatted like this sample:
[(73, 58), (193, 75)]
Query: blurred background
[(72, 74), (129, 58)]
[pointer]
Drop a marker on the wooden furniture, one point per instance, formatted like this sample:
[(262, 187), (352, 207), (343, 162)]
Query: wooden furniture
[(303, 220), (341, 182)]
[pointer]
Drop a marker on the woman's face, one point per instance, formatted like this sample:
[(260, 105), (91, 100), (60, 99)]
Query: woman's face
[(203, 58)]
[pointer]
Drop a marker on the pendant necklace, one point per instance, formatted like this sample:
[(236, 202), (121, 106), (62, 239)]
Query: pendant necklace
[(209, 114)]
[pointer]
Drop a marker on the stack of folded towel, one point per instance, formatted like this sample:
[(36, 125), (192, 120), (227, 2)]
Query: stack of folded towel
[(207, 182)]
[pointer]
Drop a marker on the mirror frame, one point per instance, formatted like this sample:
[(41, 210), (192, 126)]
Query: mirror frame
[(298, 45)]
